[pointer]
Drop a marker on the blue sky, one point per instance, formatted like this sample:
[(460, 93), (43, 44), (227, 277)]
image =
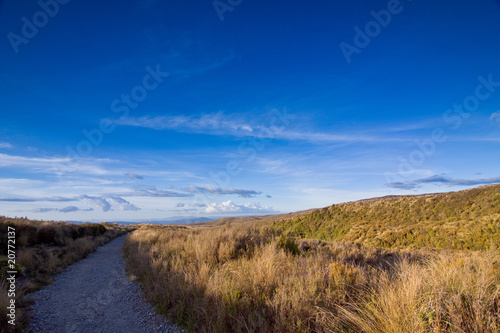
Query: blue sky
[(143, 110)]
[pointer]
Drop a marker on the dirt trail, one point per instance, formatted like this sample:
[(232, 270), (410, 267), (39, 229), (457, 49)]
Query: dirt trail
[(94, 295)]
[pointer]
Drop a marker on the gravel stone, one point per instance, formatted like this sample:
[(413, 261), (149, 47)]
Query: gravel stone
[(95, 295)]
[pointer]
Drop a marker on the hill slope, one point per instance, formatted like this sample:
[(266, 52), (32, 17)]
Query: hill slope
[(254, 218), (468, 219)]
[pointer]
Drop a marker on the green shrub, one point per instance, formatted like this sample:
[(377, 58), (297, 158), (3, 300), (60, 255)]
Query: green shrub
[(288, 244), (4, 268)]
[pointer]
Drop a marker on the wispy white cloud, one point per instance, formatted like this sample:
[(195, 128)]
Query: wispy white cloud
[(151, 191), (495, 117), (221, 124), (68, 209), (442, 180), (5, 145), (105, 205), (170, 175), (58, 165), (290, 166), (98, 201), (13, 187), (132, 175), (123, 204), (409, 126), (103, 202), (223, 191), (46, 199), (233, 208), (328, 137), (15, 181), (212, 123), (33, 162), (189, 191)]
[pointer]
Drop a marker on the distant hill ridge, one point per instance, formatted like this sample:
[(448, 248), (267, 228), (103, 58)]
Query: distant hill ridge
[(468, 219)]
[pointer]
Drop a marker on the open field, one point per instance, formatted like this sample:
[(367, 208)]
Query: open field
[(44, 249), (399, 264)]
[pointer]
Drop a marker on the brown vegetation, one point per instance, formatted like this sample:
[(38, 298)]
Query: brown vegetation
[(236, 279), (44, 249), (267, 277)]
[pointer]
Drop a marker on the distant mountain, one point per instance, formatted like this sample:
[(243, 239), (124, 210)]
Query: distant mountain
[(178, 220), (170, 220)]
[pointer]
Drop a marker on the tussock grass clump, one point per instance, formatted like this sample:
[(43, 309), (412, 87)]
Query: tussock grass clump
[(448, 293), (44, 249), (244, 279)]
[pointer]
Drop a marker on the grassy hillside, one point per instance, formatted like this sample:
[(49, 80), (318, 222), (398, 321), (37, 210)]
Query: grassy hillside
[(467, 219), (410, 268), (260, 219)]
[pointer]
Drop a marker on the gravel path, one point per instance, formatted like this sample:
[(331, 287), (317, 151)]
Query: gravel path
[(94, 295)]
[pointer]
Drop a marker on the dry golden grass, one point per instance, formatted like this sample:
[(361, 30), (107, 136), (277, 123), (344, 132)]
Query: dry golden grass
[(244, 279), (448, 293)]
